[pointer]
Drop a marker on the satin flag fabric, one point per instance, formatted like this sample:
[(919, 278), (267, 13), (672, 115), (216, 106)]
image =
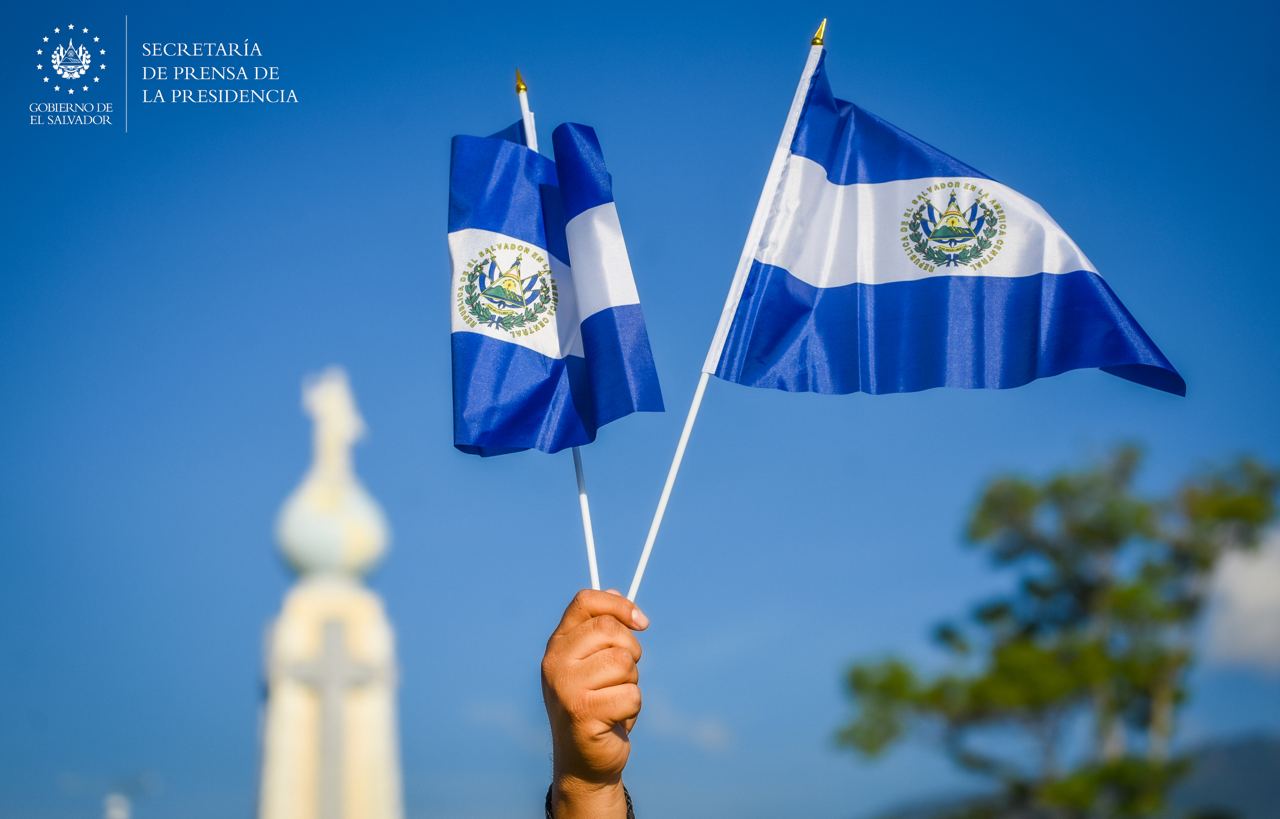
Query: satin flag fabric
[(884, 265), (549, 343)]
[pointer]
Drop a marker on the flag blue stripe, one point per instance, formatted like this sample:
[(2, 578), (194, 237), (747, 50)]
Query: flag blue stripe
[(497, 185), (856, 146), (943, 331), (584, 181), (508, 398)]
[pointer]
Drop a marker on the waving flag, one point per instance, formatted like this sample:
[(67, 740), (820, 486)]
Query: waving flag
[(879, 264), (876, 263), (549, 342)]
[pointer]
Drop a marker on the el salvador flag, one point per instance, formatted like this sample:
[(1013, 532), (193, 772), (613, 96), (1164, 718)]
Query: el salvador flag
[(878, 264), (549, 343)]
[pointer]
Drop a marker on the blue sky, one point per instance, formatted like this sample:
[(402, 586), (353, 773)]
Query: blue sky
[(163, 293)]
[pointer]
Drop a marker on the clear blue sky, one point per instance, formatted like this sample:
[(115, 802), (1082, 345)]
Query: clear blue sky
[(164, 292)]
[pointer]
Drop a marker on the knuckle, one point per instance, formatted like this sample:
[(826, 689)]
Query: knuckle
[(622, 657), (579, 705), (577, 608), (631, 697), (554, 651), (606, 626)]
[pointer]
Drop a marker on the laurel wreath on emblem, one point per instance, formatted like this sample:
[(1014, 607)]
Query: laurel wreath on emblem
[(941, 258), (512, 321)]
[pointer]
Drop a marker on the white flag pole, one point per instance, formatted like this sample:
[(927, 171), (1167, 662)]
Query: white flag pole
[(531, 140), (587, 531), (763, 209), (666, 488), (526, 116)]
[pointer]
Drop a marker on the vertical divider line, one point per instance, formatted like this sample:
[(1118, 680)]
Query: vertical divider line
[(126, 74)]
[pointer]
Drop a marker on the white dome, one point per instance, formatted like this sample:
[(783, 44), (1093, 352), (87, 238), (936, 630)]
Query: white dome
[(330, 526)]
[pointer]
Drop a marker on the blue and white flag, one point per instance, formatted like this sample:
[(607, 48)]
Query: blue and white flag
[(878, 264), (549, 343)]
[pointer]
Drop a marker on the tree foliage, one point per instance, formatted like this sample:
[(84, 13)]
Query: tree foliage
[(1096, 631)]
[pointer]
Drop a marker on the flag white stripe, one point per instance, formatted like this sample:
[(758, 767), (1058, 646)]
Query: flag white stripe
[(600, 279), (601, 268), (830, 235)]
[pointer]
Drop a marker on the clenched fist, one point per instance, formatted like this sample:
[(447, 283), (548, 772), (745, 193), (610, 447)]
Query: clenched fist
[(590, 685)]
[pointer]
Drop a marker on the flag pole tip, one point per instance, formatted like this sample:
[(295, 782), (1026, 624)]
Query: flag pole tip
[(520, 86), (820, 36)]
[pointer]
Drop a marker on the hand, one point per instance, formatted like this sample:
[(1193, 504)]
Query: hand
[(590, 685)]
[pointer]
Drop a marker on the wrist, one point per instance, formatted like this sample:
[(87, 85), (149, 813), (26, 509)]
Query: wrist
[(575, 798)]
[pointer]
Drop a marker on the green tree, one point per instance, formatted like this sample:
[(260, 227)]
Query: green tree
[(1097, 629)]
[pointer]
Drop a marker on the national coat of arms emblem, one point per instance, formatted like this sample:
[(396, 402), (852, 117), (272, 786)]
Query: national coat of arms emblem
[(953, 235), (70, 61), (509, 287), (70, 66)]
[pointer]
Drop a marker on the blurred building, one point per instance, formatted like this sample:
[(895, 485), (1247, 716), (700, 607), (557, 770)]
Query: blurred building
[(329, 748)]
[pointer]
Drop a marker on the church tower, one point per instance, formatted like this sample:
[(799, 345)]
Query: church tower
[(329, 746)]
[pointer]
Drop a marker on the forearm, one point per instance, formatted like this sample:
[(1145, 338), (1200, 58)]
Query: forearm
[(571, 798)]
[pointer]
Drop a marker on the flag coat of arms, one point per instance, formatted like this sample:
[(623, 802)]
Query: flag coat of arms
[(879, 264), (549, 342)]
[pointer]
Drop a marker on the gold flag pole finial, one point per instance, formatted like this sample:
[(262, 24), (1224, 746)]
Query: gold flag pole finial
[(520, 86), (820, 35)]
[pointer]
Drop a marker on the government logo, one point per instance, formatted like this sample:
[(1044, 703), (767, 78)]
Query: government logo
[(508, 287), (967, 231), (71, 60)]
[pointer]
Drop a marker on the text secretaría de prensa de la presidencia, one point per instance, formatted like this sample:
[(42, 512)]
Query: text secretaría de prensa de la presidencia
[(168, 74)]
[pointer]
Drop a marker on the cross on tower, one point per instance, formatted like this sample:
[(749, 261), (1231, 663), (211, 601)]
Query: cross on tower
[(331, 675)]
